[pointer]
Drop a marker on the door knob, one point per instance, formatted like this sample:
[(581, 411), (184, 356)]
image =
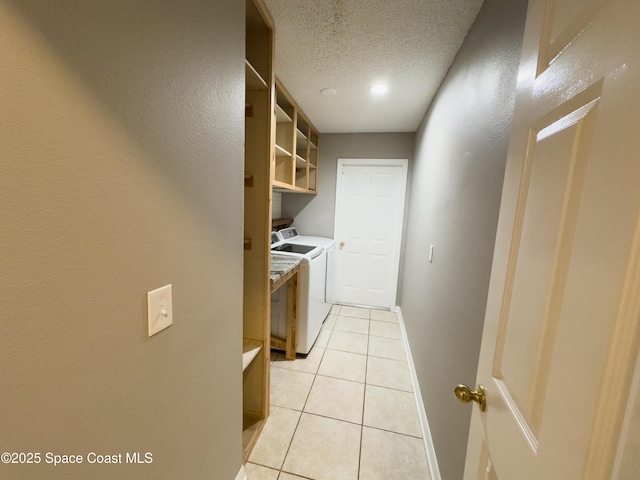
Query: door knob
[(341, 244), (466, 395)]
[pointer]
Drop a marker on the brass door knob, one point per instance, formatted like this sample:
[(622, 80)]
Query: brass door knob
[(341, 244), (466, 395)]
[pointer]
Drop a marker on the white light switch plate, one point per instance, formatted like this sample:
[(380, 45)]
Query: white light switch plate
[(159, 309)]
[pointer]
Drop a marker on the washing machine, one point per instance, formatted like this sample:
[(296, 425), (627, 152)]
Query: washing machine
[(311, 302), (292, 235)]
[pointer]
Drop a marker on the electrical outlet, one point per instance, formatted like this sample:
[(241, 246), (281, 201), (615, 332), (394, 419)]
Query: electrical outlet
[(159, 309)]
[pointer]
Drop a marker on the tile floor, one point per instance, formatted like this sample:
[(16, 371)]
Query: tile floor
[(347, 410)]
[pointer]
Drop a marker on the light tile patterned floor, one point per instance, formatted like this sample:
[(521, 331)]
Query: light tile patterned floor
[(347, 410)]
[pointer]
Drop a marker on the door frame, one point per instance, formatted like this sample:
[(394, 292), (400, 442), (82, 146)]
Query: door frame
[(402, 163)]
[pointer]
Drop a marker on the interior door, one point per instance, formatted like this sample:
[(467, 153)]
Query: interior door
[(369, 217), (561, 331)]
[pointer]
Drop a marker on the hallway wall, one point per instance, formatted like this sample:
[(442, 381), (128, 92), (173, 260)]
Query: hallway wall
[(461, 149), (121, 170)]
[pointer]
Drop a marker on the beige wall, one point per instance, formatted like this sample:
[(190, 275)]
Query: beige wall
[(121, 170), (457, 178)]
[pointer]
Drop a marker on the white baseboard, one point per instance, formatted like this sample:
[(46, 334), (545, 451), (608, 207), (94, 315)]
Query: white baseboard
[(434, 470), (241, 475)]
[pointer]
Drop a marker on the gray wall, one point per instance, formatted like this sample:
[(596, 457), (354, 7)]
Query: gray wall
[(121, 170), (460, 155)]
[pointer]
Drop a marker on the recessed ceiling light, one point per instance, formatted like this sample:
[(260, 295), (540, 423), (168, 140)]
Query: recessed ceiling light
[(378, 90), (328, 92)]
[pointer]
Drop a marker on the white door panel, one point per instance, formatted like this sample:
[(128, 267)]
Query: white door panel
[(563, 316), (369, 215)]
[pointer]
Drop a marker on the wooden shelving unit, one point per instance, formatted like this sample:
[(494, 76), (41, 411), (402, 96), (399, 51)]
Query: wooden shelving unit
[(295, 146), (281, 153), (259, 105)]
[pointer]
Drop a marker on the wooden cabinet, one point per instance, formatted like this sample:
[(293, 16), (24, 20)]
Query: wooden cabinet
[(295, 147), (259, 105)]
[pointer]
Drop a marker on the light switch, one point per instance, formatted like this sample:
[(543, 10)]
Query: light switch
[(159, 309), (431, 247)]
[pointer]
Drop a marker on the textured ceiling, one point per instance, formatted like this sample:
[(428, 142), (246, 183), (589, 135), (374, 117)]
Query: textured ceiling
[(348, 45)]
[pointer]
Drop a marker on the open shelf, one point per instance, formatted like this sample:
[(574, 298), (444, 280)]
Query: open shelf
[(281, 152), (300, 162), (251, 429), (301, 140), (282, 116), (253, 79), (296, 147), (250, 350)]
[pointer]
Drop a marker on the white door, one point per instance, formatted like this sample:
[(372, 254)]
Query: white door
[(562, 325), (368, 230)]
